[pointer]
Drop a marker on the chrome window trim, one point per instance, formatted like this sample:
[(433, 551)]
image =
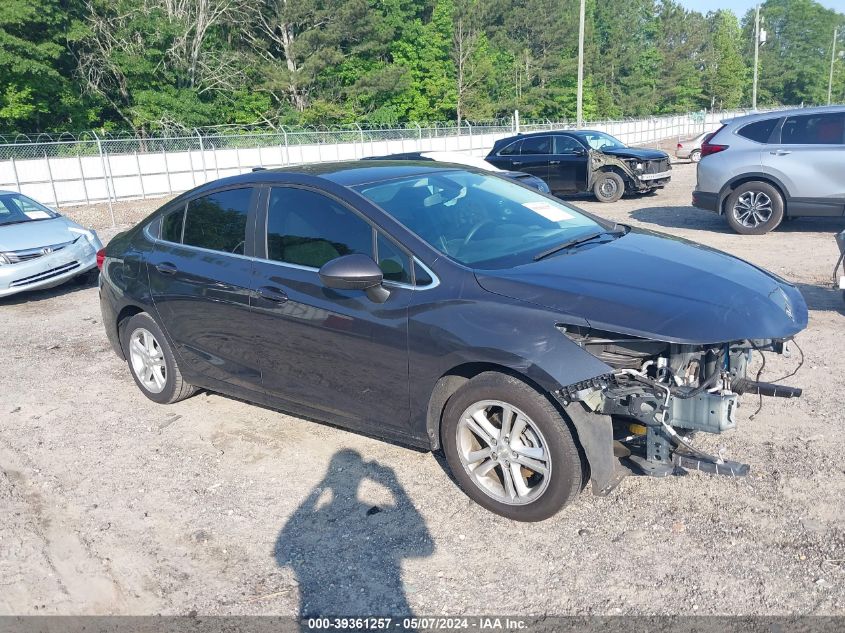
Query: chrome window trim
[(158, 240), (435, 280)]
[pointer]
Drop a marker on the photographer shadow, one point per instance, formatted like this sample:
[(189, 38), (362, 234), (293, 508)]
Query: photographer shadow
[(346, 553)]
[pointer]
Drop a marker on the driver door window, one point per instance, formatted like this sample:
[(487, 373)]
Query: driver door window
[(306, 228)]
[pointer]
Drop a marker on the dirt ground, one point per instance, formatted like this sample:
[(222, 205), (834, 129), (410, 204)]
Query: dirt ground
[(110, 503)]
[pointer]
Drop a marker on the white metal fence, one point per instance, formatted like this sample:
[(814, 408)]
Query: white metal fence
[(69, 170)]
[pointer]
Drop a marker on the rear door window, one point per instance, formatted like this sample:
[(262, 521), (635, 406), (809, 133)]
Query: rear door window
[(218, 221), (535, 145), (814, 129), (759, 131)]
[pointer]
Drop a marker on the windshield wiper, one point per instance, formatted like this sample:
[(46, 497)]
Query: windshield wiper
[(576, 241)]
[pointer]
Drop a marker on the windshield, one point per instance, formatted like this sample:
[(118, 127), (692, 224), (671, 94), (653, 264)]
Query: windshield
[(16, 208), (600, 140), (480, 220)]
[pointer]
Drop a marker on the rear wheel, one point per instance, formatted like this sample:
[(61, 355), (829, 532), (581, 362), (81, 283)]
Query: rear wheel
[(608, 187), (754, 208), (695, 155), (509, 448), (152, 362)]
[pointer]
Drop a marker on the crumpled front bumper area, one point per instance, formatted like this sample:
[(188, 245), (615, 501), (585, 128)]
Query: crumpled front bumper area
[(36, 270)]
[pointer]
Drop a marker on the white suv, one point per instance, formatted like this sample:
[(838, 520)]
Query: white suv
[(759, 169)]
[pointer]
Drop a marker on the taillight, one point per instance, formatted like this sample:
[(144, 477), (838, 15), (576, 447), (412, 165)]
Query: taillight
[(680, 145), (708, 148), (101, 257)]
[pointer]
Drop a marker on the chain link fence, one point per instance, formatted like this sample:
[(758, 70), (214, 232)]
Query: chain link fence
[(89, 167)]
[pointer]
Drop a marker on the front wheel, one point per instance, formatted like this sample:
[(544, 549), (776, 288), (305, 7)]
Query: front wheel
[(754, 208), (152, 362), (695, 156), (509, 448), (608, 187)]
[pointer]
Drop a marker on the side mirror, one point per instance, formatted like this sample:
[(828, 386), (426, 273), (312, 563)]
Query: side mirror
[(355, 272), (579, 151)]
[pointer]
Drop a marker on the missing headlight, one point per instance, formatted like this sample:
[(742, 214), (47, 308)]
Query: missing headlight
[(620, 351)]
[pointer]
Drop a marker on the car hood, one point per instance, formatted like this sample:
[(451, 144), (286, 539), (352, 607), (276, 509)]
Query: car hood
[(635, 152), (657, 287), (36, 233)]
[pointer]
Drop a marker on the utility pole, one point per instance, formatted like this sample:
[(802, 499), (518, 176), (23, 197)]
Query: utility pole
[(580, 107), (756, 55), (832, 60)]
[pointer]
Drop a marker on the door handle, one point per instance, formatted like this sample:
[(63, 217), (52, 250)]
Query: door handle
[(166, 268), (516, 163), (272, 294), (780, 152), (554, 162)]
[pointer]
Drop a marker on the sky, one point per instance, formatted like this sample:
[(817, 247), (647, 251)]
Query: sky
[(741, 6)]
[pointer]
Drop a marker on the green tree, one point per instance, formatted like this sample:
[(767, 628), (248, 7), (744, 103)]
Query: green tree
[(725, 71), (36, 67), (795, 61)]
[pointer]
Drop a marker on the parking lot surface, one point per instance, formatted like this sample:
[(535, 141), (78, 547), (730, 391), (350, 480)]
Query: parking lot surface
[(110, 503)]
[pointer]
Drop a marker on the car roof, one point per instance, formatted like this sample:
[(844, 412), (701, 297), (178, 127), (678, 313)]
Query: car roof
[(344, 173), (758, 116)]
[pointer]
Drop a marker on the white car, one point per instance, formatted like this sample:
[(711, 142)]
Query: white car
[(40, 248)]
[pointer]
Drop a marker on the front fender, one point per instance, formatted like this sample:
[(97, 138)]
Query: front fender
[(521, 338)]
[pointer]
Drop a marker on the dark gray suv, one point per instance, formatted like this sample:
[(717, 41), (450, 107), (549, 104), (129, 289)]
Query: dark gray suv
[(762, 168)]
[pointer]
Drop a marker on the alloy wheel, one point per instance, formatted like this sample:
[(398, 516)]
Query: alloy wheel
[(147, 360), (752, 209), (504, 452)]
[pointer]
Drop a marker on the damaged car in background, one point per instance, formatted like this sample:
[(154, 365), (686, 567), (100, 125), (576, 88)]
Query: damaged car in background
[(580, 161), (447, 308), (39, 248)]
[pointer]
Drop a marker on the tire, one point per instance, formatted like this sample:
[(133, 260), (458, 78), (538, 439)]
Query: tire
[(695, 156), (608, 187), (544, 441), (152, 365), (754, 208)]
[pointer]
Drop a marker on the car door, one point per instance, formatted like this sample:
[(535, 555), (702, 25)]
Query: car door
[(200, 273), (334, 352), (534, 155), (505, 157), (567, 165), (808, 159)]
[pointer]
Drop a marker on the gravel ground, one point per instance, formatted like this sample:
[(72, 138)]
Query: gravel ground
[(113, 504)]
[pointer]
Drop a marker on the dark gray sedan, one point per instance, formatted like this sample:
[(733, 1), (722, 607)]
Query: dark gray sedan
[(442, 307)]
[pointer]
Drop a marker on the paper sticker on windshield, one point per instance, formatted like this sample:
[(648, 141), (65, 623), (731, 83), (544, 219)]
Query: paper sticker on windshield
[(37, 215), (548, 211)]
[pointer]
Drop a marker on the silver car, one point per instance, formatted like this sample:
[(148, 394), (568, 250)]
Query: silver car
[(762, 168), (691, 148), (39, 248)]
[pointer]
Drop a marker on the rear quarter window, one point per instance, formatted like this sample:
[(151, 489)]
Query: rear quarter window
[(759, 131), (171, 226), (512, 149)]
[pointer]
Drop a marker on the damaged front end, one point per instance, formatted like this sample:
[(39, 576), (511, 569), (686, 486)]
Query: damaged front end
[(640, 174), (641, 413)]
